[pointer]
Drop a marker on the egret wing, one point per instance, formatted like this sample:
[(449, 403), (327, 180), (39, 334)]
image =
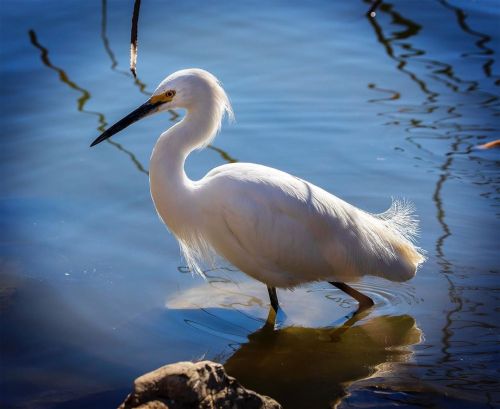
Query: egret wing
[(269, 224)]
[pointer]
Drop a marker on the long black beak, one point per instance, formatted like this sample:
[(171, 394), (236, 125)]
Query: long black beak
[(141, 112)]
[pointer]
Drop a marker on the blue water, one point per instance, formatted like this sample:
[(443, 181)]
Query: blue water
[(93, 291)]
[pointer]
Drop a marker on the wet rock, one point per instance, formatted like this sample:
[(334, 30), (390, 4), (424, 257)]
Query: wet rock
[(187, 385)]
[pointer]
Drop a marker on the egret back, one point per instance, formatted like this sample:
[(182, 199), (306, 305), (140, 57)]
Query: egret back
[(285, 231)]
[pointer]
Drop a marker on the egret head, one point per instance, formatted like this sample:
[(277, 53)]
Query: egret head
[(186, 89)]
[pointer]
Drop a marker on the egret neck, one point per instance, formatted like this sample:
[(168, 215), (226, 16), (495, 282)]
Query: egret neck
[(172, 191)]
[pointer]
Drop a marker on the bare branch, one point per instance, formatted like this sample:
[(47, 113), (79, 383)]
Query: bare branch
[(133, 37)]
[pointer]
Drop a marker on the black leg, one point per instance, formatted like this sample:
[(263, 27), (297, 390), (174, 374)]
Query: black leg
[(274, 298), (364, 302), (273, 311)]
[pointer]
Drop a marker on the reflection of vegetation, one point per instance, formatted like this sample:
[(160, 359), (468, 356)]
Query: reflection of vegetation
[(410, 29), (114, 63), (105, 41), (483, 39), (393, 95), (224, 155), (83, 99), (85, 95), (439, 125), (285, 363), (442, 72), (132, 157)]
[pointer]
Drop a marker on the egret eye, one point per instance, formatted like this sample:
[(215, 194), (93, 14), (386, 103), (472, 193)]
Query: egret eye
[(170, 93)]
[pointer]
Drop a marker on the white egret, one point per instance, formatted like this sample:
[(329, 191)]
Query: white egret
[(275, 227)]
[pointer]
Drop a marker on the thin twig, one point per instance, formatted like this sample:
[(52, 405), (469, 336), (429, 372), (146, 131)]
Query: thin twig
[(373, 8), (133, 37)]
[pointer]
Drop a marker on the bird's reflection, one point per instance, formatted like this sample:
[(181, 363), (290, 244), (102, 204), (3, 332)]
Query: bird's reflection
[(308, 367), (308, 362)]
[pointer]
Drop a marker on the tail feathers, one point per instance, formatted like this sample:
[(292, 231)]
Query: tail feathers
[(402, 221), (402, 218)]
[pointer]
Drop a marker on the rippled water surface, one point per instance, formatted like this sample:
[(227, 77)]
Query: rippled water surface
[(93, 291)]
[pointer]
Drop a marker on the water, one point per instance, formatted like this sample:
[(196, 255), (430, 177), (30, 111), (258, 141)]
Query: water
[(92, 289)]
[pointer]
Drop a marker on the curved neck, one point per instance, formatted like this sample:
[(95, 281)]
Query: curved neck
[(171, 189), (174, 145)]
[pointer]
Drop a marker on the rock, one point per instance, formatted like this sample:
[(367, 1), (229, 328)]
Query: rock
[(187, 385)]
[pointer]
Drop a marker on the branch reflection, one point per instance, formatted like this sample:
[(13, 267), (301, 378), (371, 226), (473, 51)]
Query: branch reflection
[(483, 39), (440, 119), (81, 101), (63, 77)]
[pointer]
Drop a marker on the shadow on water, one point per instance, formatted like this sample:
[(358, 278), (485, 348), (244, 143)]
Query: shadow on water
[(313, 367), (434, 119)]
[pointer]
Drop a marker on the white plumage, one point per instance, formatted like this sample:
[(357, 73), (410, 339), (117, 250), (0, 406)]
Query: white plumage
[(275, 227)]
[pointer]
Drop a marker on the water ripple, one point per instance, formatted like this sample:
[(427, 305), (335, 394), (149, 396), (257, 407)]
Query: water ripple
[(389, 298)]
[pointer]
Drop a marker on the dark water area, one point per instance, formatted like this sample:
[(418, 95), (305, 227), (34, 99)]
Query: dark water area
[(93, 292)]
